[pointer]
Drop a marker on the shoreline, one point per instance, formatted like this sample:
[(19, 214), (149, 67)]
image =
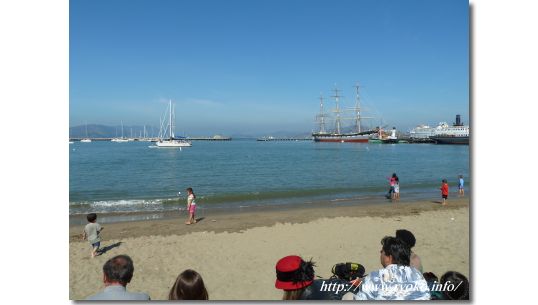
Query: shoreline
[(237, 220)]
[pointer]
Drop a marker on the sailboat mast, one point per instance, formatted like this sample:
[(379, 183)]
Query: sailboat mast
[(337, 110), (170, 124)]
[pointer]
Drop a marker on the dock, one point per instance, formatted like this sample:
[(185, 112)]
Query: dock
[(213, 138), (265, 139)]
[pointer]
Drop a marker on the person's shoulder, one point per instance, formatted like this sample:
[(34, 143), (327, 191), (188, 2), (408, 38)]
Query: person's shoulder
[(139, 295)]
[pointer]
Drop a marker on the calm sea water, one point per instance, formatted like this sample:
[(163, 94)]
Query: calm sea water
[(112, 177)]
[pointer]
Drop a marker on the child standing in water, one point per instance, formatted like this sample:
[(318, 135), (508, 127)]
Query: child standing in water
[(461, 191), (397, 190), (191, 206), (444, 191)]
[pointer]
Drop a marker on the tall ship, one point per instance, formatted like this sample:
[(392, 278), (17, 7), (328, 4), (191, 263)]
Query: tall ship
[(455, 134), (357, 133)]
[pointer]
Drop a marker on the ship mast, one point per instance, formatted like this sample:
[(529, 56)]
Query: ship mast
[(337, 110), (357, 110), (321, 115)]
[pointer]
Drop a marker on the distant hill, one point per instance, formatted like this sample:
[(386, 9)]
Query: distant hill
[(103, 131)]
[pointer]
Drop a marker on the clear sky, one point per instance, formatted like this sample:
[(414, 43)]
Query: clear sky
[(238, 66)]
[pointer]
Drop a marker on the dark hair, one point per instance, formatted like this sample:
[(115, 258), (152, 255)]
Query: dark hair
[(407, 237), (459, 281), (394, 175), (444, 181), (119, 269), (189, 189), (398, 249), (91, 217), (189, 285), (294, 294), (430, 277)]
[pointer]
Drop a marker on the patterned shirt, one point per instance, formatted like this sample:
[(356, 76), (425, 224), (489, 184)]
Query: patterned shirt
[(394, 282)]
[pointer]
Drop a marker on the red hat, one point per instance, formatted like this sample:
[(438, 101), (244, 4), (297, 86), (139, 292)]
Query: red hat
[(292, 273)]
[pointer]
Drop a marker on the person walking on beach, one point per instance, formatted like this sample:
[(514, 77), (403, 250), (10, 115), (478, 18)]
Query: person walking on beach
[(461, 191), (191, 206), (392, 181), (92, 233), (117, 273), (444, 191)]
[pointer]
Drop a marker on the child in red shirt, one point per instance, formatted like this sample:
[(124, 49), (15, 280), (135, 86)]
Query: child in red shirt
[(444, 191)]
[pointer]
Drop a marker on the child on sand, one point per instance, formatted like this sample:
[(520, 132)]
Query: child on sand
[(92, 233), (461, 191), (444, 191), (191, 206)]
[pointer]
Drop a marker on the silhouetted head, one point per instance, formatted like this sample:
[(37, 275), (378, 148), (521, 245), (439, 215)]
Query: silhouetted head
[(407, 237), (189, 285), (293, 275), (92, 217), (456, 280), (394, 251), (118, 269)]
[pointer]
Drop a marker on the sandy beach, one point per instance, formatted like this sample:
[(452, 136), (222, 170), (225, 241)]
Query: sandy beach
[(236, 253)]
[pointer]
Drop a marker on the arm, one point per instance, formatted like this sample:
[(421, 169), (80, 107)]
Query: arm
[(84, 235)]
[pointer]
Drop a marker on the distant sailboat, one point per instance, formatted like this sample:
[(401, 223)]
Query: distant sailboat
[(87, 139), (171, 142), (122, 139)]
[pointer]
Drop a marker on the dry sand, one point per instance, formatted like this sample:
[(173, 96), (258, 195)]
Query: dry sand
[(236, 254)]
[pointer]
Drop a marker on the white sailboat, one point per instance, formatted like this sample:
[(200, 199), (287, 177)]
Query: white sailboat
[(87, 139), (122, 139), (171, 141)]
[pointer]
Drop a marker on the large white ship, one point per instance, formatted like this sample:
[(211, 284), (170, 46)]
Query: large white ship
[(455, 134), (423, 132)]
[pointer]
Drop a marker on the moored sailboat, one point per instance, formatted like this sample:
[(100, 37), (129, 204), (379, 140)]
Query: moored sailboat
[(122, 139), (171, 141), (87, 139)]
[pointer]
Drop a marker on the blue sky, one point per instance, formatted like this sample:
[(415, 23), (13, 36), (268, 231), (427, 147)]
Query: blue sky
[(239, 66)]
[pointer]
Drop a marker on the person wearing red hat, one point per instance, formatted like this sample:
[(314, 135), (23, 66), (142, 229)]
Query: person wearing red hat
[(293, 275)]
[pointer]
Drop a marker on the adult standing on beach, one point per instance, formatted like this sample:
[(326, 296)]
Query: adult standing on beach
[(191, 206)]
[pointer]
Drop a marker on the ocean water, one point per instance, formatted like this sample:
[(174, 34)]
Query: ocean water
[(129, 177)]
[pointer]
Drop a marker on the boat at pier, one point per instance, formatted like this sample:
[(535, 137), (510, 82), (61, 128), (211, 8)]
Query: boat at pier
[(122, 139), (455, 134), (358, 134)]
